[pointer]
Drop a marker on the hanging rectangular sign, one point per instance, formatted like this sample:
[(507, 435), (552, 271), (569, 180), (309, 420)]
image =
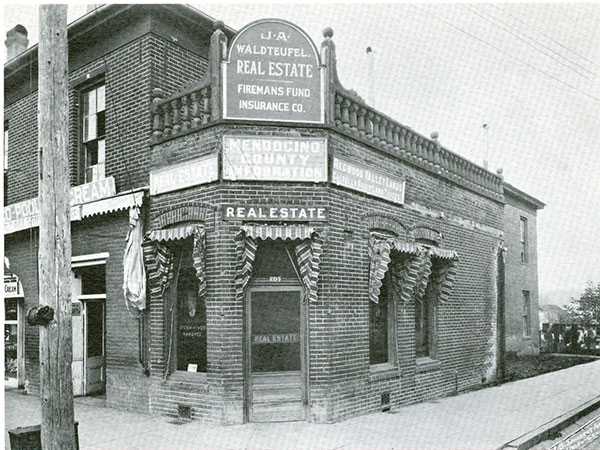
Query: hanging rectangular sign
[(366, 179), (190, 173), (274, 158), (273, 73)]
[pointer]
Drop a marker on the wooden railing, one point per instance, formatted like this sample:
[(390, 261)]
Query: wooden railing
[(357, 118), (181, 112)]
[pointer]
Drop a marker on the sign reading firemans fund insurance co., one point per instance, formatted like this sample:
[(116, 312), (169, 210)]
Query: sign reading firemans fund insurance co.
[(273, 73)]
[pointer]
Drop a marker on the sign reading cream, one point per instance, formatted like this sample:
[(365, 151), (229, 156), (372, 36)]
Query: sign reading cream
[(191, 173), (273, 73), (368, 180), (274, 158), (274, 213), (26, 214)]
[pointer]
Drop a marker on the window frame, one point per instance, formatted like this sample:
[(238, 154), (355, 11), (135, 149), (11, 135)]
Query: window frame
[(524, 239), (526, 314), (171, 328), (82, 166), (392, 328)]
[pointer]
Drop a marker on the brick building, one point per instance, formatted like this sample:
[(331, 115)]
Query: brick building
[(521, 274), (306, 257)]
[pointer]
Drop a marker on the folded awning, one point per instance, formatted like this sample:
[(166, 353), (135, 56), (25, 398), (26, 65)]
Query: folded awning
[(273, 232), (172, 234), (308, 253), (112, 204), (443, 253)]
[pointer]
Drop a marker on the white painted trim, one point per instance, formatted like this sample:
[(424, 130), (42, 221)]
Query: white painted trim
[(93, 259), (91, 297)]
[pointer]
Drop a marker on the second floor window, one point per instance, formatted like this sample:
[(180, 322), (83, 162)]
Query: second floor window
[(93, 134), (524, 240)]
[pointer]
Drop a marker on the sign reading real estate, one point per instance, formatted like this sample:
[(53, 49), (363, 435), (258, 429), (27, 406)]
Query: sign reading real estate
[(192, 173), (274, 158), (368, 180), (26, 214), (273, 73), (274, 213)]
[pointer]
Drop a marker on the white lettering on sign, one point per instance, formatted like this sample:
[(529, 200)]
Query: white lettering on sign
[(275, 338), (368, 180), (193, 173), (273, 73), (26, 214), (272, 158), (275, 213)]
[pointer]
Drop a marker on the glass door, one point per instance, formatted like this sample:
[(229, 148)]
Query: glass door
[(275, 345)]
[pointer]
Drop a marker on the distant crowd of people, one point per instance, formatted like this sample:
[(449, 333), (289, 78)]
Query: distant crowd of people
[(562, 338)]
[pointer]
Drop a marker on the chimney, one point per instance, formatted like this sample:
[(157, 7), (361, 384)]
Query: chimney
[(90, 7), (16, 41)]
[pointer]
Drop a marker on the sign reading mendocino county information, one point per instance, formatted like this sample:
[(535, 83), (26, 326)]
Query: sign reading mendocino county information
[(273, 73), (368, 180), (274, 158)]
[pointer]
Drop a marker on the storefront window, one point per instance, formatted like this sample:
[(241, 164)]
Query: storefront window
[(191, 318), (426, 316), (381, 325)]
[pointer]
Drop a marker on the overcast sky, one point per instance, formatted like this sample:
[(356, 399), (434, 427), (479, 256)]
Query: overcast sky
[(530, 71)]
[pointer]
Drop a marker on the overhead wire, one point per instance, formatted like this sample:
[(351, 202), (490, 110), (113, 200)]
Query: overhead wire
[(544, 34), (505, 52), (474, 10)]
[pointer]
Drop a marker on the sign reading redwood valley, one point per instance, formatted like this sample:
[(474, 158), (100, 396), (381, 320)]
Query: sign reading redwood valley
[(273, 73)]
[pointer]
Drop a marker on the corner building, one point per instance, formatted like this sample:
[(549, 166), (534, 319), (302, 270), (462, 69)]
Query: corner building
[(308, 258)]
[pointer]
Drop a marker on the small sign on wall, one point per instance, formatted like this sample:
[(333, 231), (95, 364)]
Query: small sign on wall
[(191, 173), (284, 213), (366, 179)]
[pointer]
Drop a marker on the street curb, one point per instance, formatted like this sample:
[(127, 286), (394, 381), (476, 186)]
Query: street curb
[(529, 439)]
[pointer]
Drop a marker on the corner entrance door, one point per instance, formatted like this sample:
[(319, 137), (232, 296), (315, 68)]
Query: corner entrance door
[(275, 352)]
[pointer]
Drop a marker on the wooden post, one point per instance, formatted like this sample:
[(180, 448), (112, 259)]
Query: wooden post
[(56, 348)]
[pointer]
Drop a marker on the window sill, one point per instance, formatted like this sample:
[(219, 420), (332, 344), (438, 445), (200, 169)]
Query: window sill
[(188, 377), (385, 371), (427, 364)]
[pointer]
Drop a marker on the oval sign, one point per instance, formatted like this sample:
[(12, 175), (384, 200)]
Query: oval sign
[(273, 73)]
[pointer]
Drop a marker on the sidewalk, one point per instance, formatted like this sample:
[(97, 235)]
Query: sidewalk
[(480, 420)]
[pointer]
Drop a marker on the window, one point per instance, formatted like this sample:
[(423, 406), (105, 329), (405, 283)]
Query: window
[(93, 134), (426, 318), (382, 326), (190, 320), (526, 314), (5, 146), (524, 240)]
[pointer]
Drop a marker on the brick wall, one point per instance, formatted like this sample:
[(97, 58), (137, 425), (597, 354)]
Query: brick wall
[(520, 277), (341, 382), (130, 73)]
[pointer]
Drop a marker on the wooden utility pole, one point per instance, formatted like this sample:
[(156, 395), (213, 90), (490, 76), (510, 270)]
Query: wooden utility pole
[(56, 347)]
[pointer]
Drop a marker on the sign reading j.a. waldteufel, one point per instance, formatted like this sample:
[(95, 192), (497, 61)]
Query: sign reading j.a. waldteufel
[(368, 180), (273, 73), (274, 158)]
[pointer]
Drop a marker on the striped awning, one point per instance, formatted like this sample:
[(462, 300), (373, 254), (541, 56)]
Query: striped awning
[(308, 253), (443, 279), (172, 234), (284, 232), (159, 259), (404, 273), (443, 253)]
